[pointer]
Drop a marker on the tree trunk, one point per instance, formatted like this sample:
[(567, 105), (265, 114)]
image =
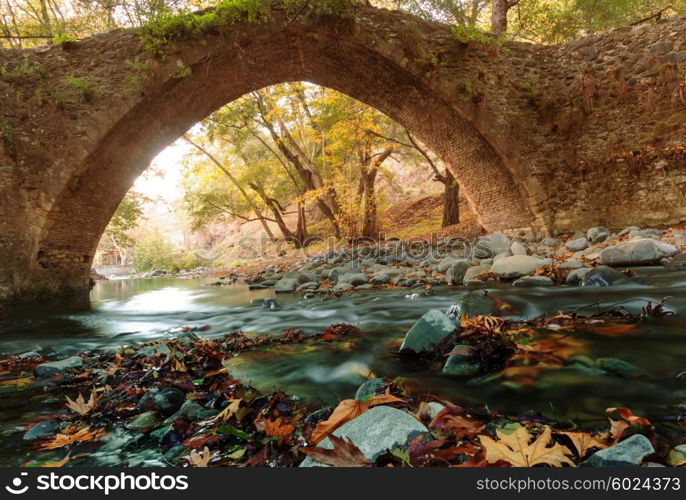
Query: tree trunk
[(499, 10), (451, 200), (370, 226)]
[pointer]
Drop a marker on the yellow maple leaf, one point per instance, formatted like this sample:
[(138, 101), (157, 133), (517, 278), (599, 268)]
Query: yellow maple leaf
[(583, 442), (519, 450)]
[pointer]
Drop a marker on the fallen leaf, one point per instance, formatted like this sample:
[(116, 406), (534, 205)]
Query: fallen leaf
[(230, 410), (277, 428), (201, 459), (451, 420), (628, 416), (344, 412), (343, 454), (72, 436), (519, 450), (583, 442), (81, 406)]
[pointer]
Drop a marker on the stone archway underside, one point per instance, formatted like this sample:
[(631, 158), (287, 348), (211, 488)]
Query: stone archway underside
[(75, 160)]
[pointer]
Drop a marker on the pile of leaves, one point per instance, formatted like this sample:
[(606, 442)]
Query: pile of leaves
[(232, 424)]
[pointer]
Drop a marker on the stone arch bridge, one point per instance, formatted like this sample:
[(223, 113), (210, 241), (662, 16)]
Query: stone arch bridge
[(543, 139)]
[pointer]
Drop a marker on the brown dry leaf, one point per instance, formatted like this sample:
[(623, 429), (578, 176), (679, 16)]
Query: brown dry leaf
[(344, 412), (72, 436), (628, 416), (518, 450), (491, 324), (617, 428), (230, 410), (81, 406), (457, 425), (583, 442), (277, 428), (343, 454), (200, 459)]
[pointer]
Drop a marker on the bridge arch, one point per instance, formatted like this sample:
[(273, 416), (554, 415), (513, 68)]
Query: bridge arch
[(219, 72)]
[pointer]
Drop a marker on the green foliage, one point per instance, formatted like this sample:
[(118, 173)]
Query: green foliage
[(27, 70), (169, 26), (64, 39), (81, 86), (8, 138), (555, 21), (474, 36), (125, 219), (187, 261), (153, 251), (184, 73)]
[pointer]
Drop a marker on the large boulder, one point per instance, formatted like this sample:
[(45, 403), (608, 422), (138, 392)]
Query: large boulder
[(517, 266), (456, 272), (491, 245), (636, 252), (628, 453), (375, 432), (429, 330)]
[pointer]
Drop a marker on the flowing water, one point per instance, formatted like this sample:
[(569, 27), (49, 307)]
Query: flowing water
[(132, 311)]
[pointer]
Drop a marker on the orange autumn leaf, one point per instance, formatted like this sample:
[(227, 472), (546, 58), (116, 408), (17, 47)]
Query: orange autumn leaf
[(383, 399), (73, 436), (344, 412), (627, 415), (277, 428)]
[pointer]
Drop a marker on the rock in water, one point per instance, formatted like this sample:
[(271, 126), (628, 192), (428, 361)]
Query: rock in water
[(45, 370), (461, 363), (529, 281), (636, 252), (628, 453), (456, 272), (376, 431), (429, 330), (517, 266), (472, 304), (602, 276)]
